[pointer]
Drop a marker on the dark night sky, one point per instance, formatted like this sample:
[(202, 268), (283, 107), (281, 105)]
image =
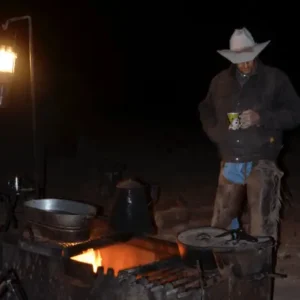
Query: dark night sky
[(155, 62)]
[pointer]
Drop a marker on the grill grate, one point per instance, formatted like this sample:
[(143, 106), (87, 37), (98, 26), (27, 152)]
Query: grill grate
[(167, 279), (32, 240), (56, 248), (69, 245), (176, 279)]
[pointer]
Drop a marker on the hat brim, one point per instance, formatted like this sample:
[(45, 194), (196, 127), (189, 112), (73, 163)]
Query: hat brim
[(243, 56)]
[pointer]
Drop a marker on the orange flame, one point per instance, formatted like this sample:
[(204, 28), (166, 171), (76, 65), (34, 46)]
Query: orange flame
[(92, 257)]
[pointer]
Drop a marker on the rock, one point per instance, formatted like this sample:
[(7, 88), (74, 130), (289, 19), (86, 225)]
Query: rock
[(283, 253), (171, 233), (166, 219)]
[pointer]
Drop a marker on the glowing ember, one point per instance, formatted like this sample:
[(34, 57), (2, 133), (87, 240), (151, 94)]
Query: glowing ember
[(92, 257)]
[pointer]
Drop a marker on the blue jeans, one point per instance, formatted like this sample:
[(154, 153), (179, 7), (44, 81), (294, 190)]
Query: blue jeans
[(237, 173)]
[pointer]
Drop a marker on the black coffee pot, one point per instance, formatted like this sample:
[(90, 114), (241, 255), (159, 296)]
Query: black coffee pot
[(132, 210)]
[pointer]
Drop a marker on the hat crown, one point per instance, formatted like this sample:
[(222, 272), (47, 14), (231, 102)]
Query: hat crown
[(241, 39)]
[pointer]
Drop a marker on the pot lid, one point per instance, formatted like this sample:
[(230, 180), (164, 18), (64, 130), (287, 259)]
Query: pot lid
[(204, 237), (129, 184), (218, 240)]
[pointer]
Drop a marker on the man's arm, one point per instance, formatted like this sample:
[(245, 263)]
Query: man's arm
[(208, 116), (287, 115)]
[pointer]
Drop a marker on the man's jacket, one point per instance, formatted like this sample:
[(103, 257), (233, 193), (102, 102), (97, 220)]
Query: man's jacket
[(268, 92)]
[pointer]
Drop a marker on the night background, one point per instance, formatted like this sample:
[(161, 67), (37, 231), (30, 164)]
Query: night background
[(96, 59), (122, 75)]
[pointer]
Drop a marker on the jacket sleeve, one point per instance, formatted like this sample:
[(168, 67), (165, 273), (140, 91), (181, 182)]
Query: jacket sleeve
[(208, 116), (286, 115)]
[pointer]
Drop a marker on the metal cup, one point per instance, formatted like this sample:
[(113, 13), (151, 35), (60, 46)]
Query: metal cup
[(234, 120)]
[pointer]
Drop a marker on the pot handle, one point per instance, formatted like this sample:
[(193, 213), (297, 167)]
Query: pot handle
[(154, 194), (202, 236), (238, 234), (28, 229)]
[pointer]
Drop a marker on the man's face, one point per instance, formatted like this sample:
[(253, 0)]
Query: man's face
[(246, 67)]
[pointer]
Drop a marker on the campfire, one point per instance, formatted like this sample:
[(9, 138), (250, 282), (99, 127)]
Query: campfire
[(116, 269), (118, 257), (92, 257)]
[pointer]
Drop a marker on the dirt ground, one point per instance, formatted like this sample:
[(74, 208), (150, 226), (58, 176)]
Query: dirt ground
[(185, 166)]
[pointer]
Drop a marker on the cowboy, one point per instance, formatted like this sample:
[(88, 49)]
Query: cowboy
[(263, 103)]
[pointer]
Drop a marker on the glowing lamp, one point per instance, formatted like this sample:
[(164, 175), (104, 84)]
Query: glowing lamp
[(7, 68), (7, 60)]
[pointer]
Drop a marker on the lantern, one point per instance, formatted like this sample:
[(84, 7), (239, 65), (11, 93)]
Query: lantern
[(7, 60), (7, 67)]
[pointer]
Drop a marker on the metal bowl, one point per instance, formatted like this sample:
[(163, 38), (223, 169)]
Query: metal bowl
[(59, 213)]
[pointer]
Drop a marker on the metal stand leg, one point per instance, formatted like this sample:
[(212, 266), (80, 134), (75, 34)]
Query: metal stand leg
[(10, 212), (9, 281)]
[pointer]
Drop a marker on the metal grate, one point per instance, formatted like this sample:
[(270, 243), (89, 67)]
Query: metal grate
[(167, 279), (62, 249), (173, 278), (69, 245)]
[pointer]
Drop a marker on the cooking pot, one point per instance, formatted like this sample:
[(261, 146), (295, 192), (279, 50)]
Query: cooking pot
[(132, 210), (195, 246), (60, 219), (244, 256)]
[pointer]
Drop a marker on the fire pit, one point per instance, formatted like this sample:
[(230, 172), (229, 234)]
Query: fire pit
[(104, 266), (114, 266)]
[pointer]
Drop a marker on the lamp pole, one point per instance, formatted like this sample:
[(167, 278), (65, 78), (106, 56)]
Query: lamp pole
[(32, 95)]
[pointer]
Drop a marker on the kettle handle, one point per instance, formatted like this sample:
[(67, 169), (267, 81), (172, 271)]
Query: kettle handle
[(152, 202), (154, 194)]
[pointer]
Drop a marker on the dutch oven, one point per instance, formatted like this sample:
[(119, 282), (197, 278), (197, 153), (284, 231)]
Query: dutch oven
[(195, 246)]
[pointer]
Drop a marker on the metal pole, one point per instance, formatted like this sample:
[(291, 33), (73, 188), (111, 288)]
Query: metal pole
[(32, 95)]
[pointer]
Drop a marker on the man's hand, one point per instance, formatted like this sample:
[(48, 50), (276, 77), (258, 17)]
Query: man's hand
[(249, 118)]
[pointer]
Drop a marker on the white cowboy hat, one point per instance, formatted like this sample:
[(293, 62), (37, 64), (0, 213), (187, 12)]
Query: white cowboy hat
[(242, 47)]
